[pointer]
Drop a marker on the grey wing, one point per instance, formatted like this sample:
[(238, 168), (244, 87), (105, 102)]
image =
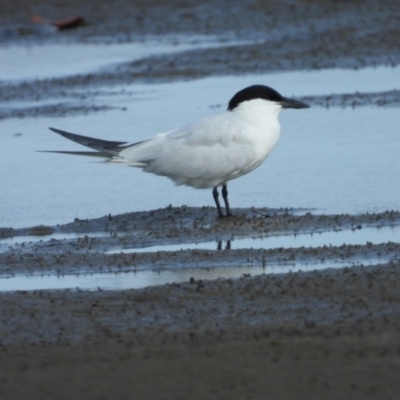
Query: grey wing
[(104, 148)]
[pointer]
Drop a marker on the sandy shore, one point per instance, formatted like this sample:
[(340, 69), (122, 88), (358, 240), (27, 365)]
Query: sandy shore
[(308, 335)]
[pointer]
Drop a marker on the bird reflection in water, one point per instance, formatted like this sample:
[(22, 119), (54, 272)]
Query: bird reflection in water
[(220, 245)]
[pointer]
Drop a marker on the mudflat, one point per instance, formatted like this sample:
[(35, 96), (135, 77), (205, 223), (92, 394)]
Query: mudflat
[(331, 333), (328, 333)]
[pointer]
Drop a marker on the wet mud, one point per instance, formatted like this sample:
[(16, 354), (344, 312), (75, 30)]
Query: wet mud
[(331, 333), (90, 253), (324, 330)]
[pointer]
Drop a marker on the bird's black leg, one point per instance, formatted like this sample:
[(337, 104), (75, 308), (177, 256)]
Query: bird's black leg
[(216, 194), (225, 196)]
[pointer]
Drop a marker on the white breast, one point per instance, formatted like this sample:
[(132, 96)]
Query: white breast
[(213, 150)]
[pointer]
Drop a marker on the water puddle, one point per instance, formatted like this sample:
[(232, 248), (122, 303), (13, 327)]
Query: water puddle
[(25, 62), (151, 277), (356, 236), (141, 279), (331, 238)]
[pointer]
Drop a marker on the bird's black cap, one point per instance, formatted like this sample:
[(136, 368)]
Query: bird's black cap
[(266, 93)]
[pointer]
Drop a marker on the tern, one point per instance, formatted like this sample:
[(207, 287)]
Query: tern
[(210, 152)]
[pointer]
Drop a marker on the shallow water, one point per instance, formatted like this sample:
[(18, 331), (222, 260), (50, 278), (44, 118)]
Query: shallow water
[(334, 161), (349, 237), (25, 62), (358, 236), (141, 279)]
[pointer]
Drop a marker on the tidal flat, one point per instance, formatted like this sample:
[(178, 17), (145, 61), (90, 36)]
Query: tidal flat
[(110, 290)]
